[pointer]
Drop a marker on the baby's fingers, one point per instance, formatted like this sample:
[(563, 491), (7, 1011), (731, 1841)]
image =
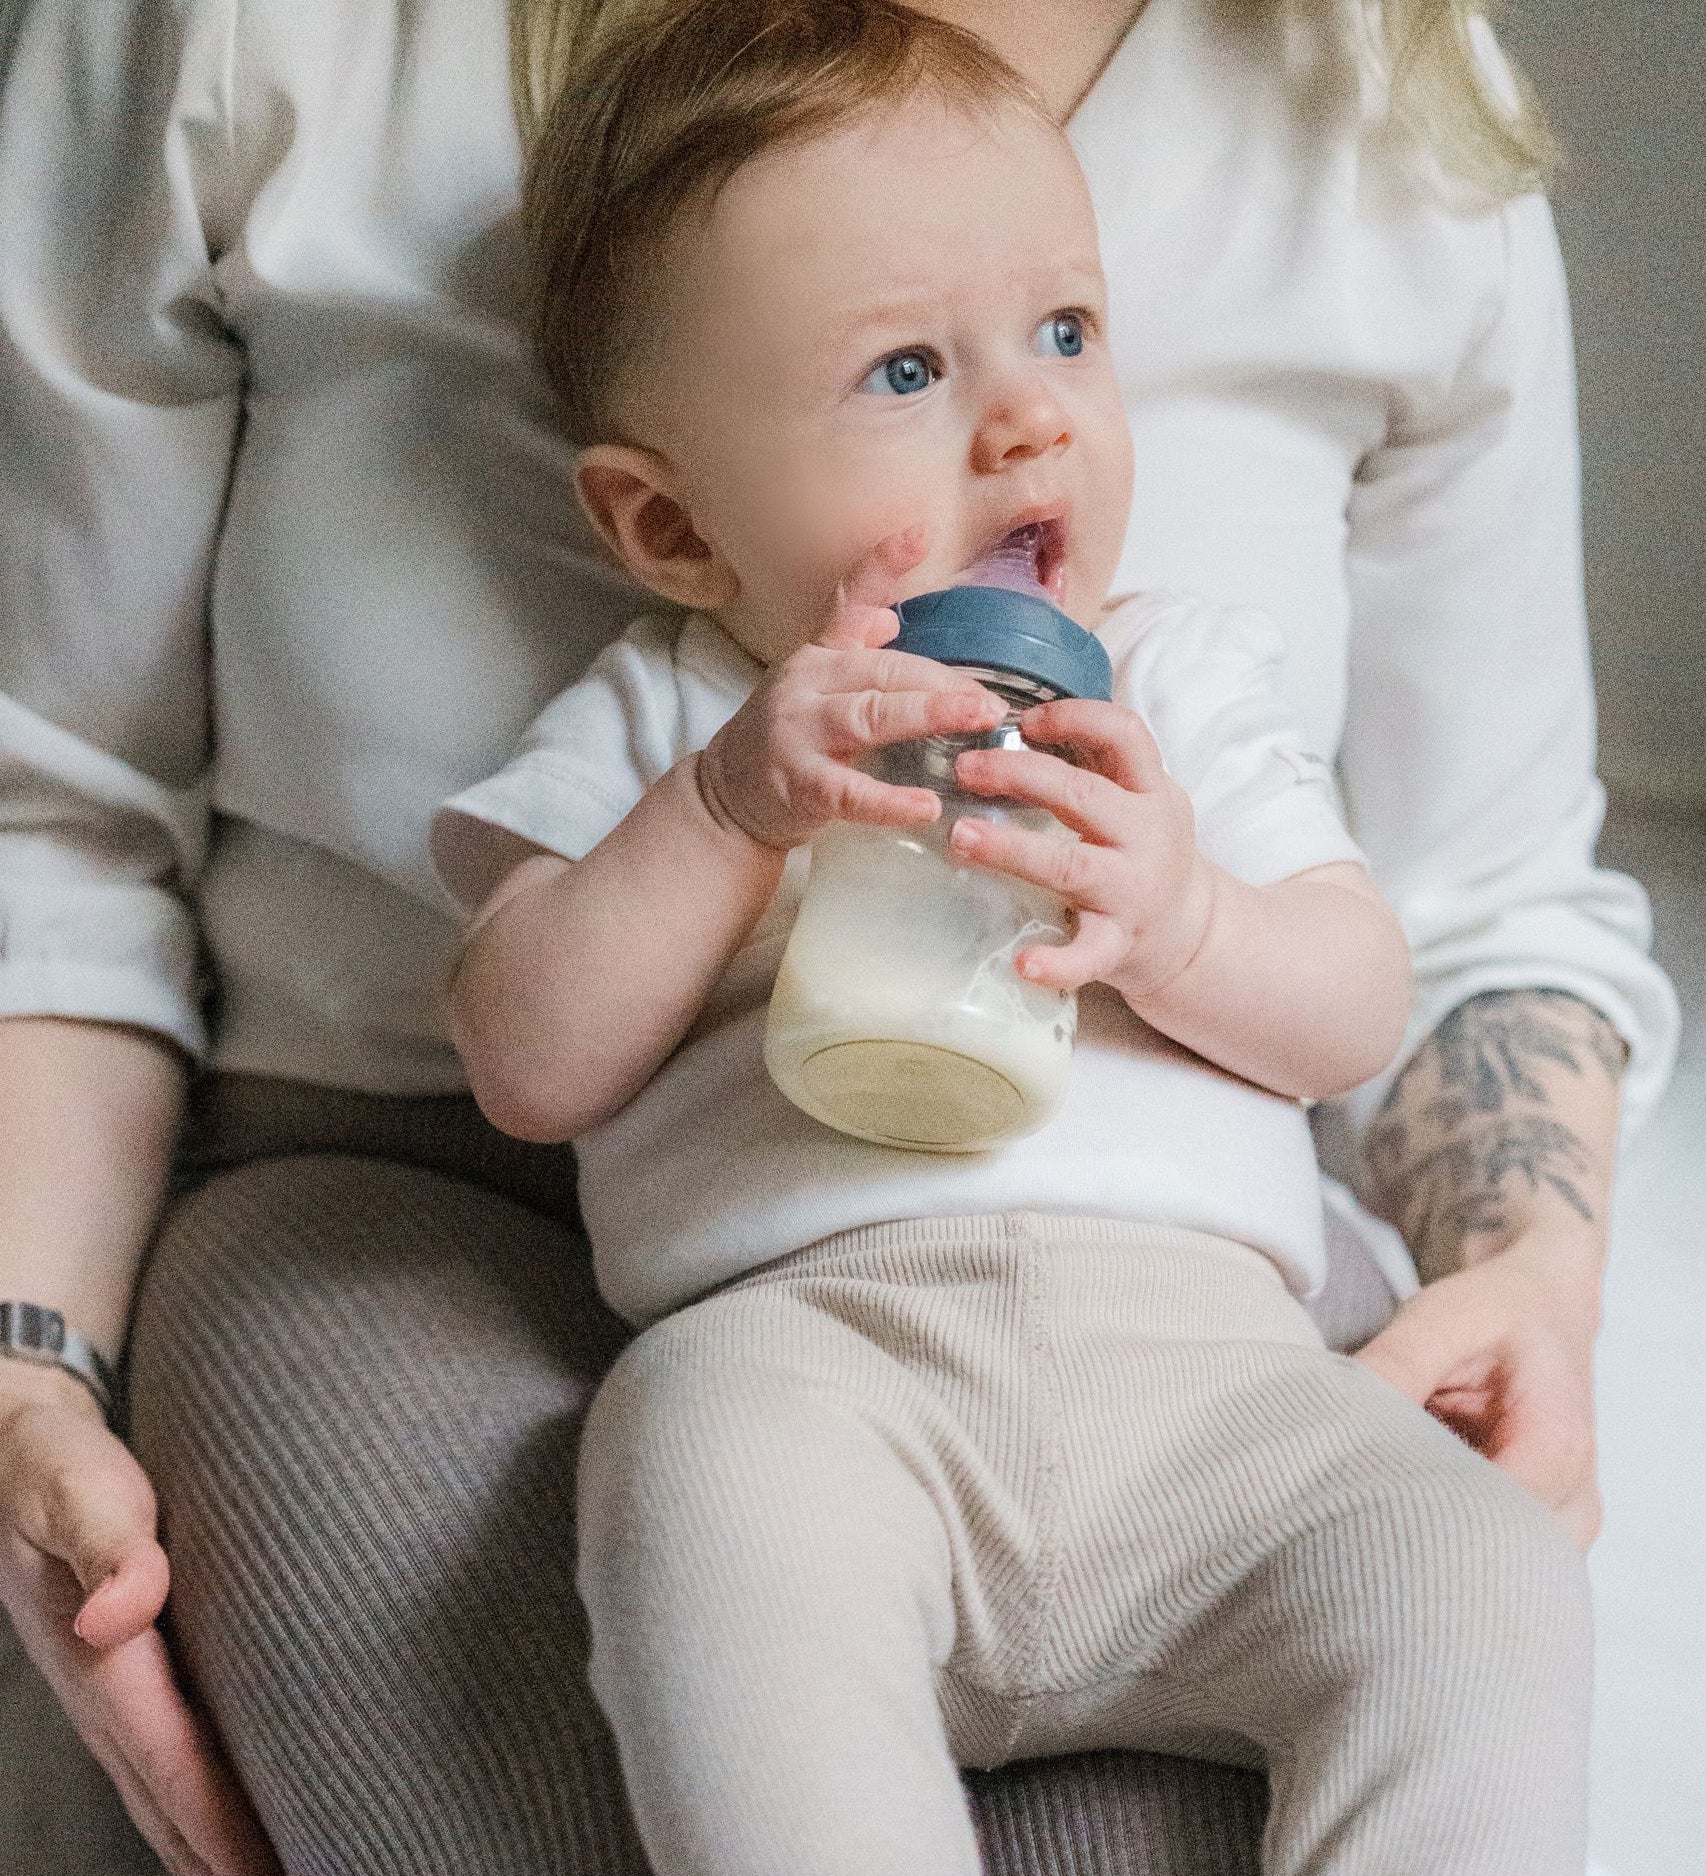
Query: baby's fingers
[(862, 613), (1105, 737), (1093, 953), (875, 580), (849, 795), (869, 719), (1090, 804), (875, 668), (1087, 877)]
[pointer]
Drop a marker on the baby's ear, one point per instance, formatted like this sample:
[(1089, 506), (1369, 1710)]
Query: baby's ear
[(630, 497)]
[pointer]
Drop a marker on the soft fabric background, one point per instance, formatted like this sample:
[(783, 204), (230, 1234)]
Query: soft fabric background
[(1627, 84)]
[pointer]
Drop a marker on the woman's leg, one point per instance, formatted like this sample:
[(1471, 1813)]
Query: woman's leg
[(1119, 1814), (358, 1387)]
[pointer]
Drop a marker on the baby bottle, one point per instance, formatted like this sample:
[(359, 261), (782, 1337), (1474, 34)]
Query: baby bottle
[(898, 1015)]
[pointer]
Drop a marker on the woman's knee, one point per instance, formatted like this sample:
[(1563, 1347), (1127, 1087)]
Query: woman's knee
[(355, 1284), (348, 1368)]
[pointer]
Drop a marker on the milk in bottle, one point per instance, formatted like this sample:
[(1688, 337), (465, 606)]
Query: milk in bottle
[(898, 1015)]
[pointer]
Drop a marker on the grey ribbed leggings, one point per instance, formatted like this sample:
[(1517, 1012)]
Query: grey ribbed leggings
[(359, 1364)]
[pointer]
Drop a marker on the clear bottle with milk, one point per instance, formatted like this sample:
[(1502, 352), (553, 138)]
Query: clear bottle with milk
[(898, 1015)]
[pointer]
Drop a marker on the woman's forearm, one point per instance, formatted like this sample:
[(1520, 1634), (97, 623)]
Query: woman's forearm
[(89, 1114), (579, 978), (1504, 1119), (1493, 1155)]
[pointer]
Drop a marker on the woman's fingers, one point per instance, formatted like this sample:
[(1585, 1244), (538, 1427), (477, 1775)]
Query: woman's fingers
[(1475, 1358), (126, 1706), (1113, 741), (83, 1578), (1410, 1354), (126, 1602), (156, 1829), (173, 1767), (1540, 1421), (1583, 1514)]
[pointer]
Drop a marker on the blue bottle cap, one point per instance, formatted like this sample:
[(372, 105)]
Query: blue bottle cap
[(1001, 630)]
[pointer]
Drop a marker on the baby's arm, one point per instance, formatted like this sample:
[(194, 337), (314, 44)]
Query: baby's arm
[(1302, 986), (580, 977)]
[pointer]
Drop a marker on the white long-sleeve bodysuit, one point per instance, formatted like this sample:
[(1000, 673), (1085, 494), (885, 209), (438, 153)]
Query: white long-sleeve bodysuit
[(289, 550)]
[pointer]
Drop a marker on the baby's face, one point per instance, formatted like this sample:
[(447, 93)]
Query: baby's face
[(900, 324)]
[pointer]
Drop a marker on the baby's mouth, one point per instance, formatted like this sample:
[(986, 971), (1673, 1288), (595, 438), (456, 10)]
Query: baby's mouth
[(1030, 558)]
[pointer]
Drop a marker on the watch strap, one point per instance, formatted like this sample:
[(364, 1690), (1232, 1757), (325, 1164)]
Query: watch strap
[(33, 1332)]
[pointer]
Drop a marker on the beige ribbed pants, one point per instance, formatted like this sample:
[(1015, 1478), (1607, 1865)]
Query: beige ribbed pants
[(962, 1491)]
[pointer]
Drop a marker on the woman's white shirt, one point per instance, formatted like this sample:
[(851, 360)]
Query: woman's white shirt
[(289, 551)]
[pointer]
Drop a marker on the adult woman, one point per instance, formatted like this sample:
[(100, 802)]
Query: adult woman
[(301, 561)]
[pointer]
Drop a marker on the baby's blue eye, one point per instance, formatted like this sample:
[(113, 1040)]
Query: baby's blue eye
[(902, 374), (1062, 334)]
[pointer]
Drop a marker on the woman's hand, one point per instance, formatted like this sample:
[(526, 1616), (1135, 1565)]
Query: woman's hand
[(782, 766), (1142, 893), (1502, 1353), (83, 1577)]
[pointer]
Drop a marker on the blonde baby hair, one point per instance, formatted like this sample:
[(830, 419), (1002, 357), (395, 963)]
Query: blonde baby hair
[(647, 106)]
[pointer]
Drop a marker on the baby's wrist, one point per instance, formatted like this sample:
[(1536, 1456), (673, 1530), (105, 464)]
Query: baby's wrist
[(1160, 967), (706, 779)]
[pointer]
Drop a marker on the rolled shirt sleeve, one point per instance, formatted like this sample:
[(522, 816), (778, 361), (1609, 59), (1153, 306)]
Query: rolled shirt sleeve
[(1468, 757), (119, 402)]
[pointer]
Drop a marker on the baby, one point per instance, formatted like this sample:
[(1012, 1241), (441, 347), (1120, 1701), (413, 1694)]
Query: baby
[(927, 1461)]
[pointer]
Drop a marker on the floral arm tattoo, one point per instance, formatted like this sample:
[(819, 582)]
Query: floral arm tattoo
[(1470, 1132)]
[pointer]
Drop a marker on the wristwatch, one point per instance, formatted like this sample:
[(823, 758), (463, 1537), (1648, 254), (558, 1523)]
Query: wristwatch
[(30, 1332)]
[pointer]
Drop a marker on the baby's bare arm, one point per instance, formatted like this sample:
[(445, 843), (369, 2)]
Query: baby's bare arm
[(580, 977), (1302, 986)]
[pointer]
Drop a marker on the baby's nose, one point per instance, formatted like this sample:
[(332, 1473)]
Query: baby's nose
[(1018, 428)]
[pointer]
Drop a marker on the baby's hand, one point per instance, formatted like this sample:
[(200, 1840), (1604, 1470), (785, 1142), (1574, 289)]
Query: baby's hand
[(783, 766), (1142, 892)]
